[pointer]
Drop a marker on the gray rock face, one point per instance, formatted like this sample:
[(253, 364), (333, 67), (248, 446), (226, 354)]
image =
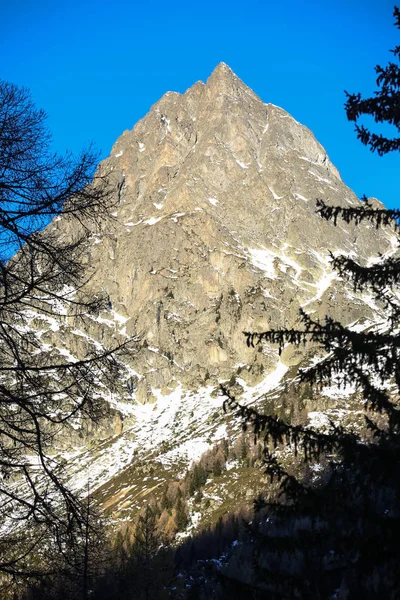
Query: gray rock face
[(216, 232)]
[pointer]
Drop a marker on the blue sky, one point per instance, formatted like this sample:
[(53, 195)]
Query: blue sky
[(96, 67)]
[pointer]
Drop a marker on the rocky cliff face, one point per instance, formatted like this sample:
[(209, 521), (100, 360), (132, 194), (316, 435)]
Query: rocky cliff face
[(216, 232)]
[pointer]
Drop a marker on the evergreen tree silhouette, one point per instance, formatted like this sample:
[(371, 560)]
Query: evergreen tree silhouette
[(339, 538)]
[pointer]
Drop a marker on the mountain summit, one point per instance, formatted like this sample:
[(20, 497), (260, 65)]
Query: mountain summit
[(216, 230), (224, 81), (215, 233)]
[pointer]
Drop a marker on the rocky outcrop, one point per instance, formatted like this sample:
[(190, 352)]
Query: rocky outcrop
[(216, 232)]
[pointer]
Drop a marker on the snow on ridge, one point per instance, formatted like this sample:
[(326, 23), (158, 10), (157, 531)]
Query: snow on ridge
[(175, 427), (152, 220), (242, 164), (323, 284), (115, 321), (263, 259), (57, 304), (95, 343), (319, 178), (325, 260), (176, 216), (318, 420), (130, 224), (119, 318), (95, 238), (338, 390), (68, 355), (269, 383), (29, 314), (276, 197), (300, 197)]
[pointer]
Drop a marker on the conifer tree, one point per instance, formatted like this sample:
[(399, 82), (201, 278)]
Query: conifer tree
[(180, 514), (145, 547), (339, 538)]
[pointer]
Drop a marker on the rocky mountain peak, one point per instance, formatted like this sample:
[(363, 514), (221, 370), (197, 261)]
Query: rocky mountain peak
[(215, 232), (224, 81), (223, 71), (223, 112)]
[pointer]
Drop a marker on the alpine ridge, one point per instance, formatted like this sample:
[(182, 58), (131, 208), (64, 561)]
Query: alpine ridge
[(215, 233)]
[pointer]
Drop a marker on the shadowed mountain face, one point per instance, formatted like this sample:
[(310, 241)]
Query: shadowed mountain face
[(216, 232)]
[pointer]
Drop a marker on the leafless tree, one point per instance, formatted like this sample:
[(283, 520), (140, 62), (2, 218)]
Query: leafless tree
[(42, 276)]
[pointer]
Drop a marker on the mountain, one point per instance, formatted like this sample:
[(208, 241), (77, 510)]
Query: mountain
[(215, 233)]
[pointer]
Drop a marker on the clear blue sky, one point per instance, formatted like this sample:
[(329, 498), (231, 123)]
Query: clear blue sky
[(96, 67)]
